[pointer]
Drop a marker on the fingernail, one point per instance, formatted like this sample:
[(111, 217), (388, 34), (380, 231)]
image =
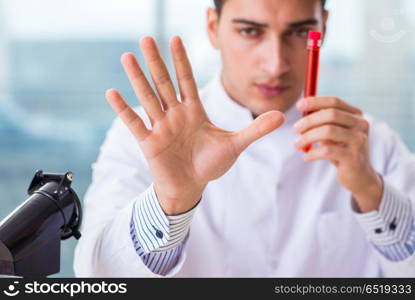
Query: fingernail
[(301, 105), (297, 126)]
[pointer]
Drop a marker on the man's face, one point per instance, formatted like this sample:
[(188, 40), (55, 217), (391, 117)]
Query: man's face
[(263, 49)]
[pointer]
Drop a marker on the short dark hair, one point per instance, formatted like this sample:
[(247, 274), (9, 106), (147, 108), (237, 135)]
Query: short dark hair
[(219, 5)]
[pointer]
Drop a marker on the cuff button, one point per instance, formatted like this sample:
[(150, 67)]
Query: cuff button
[(378, 230), (159, 234), (392, 226)]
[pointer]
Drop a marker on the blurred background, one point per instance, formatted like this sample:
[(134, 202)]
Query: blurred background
[(57, 58)]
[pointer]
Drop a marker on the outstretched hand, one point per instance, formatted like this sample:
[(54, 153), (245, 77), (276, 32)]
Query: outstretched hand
[(183, 148)]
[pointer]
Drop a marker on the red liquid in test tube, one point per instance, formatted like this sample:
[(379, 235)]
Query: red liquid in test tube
[(313, 60)]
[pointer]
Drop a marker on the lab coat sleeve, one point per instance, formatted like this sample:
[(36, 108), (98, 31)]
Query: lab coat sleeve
[(396, 164), (119, 177)]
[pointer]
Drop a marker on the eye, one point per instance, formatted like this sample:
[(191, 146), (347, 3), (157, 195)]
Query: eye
[(250, 32), (302, 32)]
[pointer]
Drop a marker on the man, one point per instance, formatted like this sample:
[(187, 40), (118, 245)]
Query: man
[(198, 196)]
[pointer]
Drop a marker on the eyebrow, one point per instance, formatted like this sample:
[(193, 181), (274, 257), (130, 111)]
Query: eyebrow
[(264, 25), (302, 23), (248, 22)]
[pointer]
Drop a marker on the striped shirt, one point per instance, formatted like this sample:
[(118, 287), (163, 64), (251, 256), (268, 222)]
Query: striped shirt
[(159, 239)]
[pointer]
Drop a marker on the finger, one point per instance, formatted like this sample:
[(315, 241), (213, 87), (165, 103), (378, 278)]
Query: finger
[(159, 73), (326, 151), (127, 115), (328, 116), (318, 103), (325, 133), (261, 126), (142, 88), (184, 73)]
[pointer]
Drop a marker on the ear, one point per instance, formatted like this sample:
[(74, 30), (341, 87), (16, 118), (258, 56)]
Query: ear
[(212, 19), (325, 18)]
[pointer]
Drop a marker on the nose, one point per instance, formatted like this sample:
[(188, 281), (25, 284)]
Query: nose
[(274, 58)]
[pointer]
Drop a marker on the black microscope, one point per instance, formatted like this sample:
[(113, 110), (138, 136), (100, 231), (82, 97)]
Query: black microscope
[(30, 236)]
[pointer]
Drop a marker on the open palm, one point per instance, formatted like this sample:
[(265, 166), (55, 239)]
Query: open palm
[(183, 148)]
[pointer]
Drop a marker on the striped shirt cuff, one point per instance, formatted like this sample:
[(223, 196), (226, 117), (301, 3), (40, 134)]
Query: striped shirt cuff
[(391, 229), (160, 263), (399, 251), (392, 222), (157, 232)]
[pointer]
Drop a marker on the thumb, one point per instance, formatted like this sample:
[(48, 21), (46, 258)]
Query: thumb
[(261, 126)]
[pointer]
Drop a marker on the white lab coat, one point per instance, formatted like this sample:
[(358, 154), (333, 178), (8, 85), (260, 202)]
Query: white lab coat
[(270, 215)]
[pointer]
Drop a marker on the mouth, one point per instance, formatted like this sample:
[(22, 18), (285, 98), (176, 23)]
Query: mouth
[(269, 90)]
